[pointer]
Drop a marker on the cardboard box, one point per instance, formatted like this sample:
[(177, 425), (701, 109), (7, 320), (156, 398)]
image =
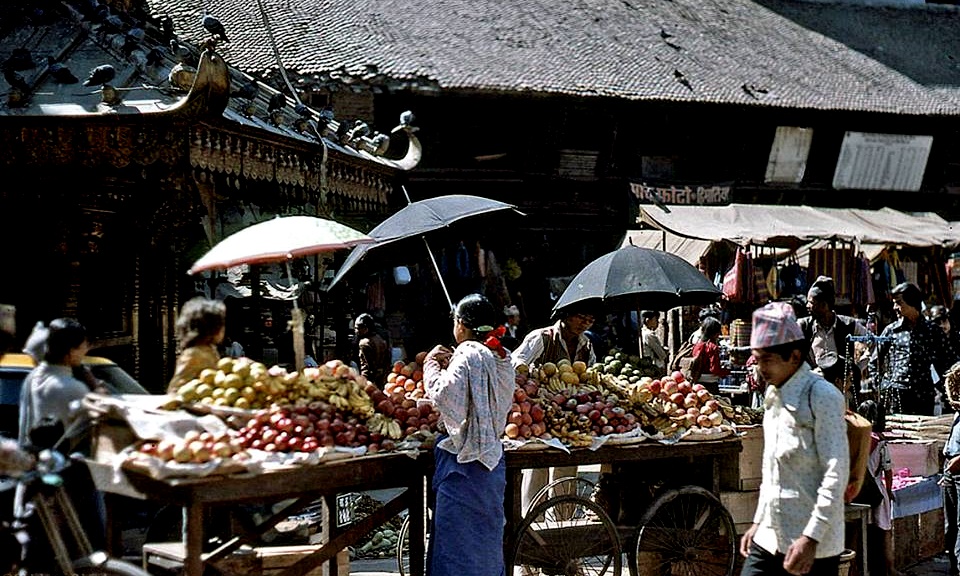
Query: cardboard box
[(922, 457), (744, 473), (110, 437)]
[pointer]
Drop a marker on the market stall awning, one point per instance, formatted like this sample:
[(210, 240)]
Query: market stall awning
[(763, 224), (690, 249)]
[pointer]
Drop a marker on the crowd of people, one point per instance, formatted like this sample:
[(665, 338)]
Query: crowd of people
[(804, 362)]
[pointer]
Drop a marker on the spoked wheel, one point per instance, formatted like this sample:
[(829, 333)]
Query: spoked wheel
[(583, 545), (686, 531), (572, 485), (403, 548)]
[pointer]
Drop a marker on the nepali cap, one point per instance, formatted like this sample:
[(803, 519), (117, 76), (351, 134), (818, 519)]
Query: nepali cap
[(774, 324)]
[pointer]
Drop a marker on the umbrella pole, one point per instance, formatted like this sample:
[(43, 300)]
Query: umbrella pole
[(439, 275), (296, 324)]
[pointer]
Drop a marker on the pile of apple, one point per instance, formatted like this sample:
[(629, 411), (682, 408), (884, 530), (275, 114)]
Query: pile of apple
[(407, 378), (527, 415), (308, 428), (195, 447), (687, 404), (399, 398)]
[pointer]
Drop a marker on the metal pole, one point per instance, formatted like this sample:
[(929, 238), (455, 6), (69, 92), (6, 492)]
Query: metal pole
[(437, 268)]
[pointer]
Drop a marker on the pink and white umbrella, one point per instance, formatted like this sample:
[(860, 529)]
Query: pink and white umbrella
[(279, 240)]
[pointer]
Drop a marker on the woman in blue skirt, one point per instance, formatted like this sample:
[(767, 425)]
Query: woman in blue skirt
[(472, 388)]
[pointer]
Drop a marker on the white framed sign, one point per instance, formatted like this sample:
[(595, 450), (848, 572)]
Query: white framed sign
[(870, 161)]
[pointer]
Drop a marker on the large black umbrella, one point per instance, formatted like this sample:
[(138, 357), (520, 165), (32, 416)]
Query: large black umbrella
[(635, 278), (416, 220)]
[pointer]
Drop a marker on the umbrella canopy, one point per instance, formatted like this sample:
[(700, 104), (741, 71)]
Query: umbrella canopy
[(420, 217), (280, 239), (636, 278)]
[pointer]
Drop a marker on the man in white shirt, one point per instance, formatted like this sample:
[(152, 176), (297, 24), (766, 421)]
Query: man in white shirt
[(798, 525)]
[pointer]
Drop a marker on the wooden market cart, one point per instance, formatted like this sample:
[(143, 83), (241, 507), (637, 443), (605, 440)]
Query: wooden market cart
[(669, 520), (674, 522), (300, 485)]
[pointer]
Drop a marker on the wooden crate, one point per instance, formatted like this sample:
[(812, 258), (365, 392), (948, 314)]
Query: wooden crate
[(906, 541), (930, 538), (742, 506), (744, 473)]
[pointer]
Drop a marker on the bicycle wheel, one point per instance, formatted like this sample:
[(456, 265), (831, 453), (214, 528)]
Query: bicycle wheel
[(583, 546), (573, 485), (98, 563), (403, 548), (686, 531)]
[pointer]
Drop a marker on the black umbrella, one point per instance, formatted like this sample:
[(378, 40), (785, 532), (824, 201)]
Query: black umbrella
[(635, 278), (417, 219)]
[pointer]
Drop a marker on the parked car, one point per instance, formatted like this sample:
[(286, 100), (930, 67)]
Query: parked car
[(15, 367)]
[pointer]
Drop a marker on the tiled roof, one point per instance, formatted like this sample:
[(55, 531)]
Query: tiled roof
[(720, 51), (142, 77)]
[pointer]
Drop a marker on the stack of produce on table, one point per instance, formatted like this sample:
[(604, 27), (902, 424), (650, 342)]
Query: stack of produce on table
[(629, 366), (576, 404), (195, 447), (403, 399), (321, 407), (316, 425)]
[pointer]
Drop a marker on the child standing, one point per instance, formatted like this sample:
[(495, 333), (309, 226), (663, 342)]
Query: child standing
[(201, 326), (880, 531)]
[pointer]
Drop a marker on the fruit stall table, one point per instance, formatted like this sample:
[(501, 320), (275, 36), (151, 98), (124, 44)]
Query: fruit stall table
[(302, 484)]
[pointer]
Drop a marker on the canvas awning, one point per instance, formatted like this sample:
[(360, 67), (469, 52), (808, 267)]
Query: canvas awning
[(690, 249), (769, 225)]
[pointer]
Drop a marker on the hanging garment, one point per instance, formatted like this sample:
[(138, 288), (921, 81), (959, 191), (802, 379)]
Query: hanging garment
[(793, 278), (837, 263), (910, 272)]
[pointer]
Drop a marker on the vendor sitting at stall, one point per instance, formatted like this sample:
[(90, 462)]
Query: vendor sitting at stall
[(712, 369)]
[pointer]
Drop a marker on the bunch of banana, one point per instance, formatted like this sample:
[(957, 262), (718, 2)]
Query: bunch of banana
[(573, 438), (553, 384), (385, 426), (665, 424)]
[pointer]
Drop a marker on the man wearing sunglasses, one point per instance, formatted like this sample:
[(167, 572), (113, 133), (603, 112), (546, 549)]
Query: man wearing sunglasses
[(564, 340)]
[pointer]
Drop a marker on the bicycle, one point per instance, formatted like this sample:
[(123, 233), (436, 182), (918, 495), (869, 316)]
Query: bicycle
[(44, 495)]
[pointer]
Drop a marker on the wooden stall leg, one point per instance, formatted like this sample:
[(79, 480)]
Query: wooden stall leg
[(193, 563), (113, 533)]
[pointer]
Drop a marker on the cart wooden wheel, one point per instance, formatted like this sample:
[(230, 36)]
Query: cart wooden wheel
[(573, 485), (685, 531), (581, 546)]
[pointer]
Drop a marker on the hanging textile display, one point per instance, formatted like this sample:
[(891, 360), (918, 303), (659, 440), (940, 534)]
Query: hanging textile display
[(863, 293), (738, 282), (793, 278), (760, 293), (910, 272), (837, 263)]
